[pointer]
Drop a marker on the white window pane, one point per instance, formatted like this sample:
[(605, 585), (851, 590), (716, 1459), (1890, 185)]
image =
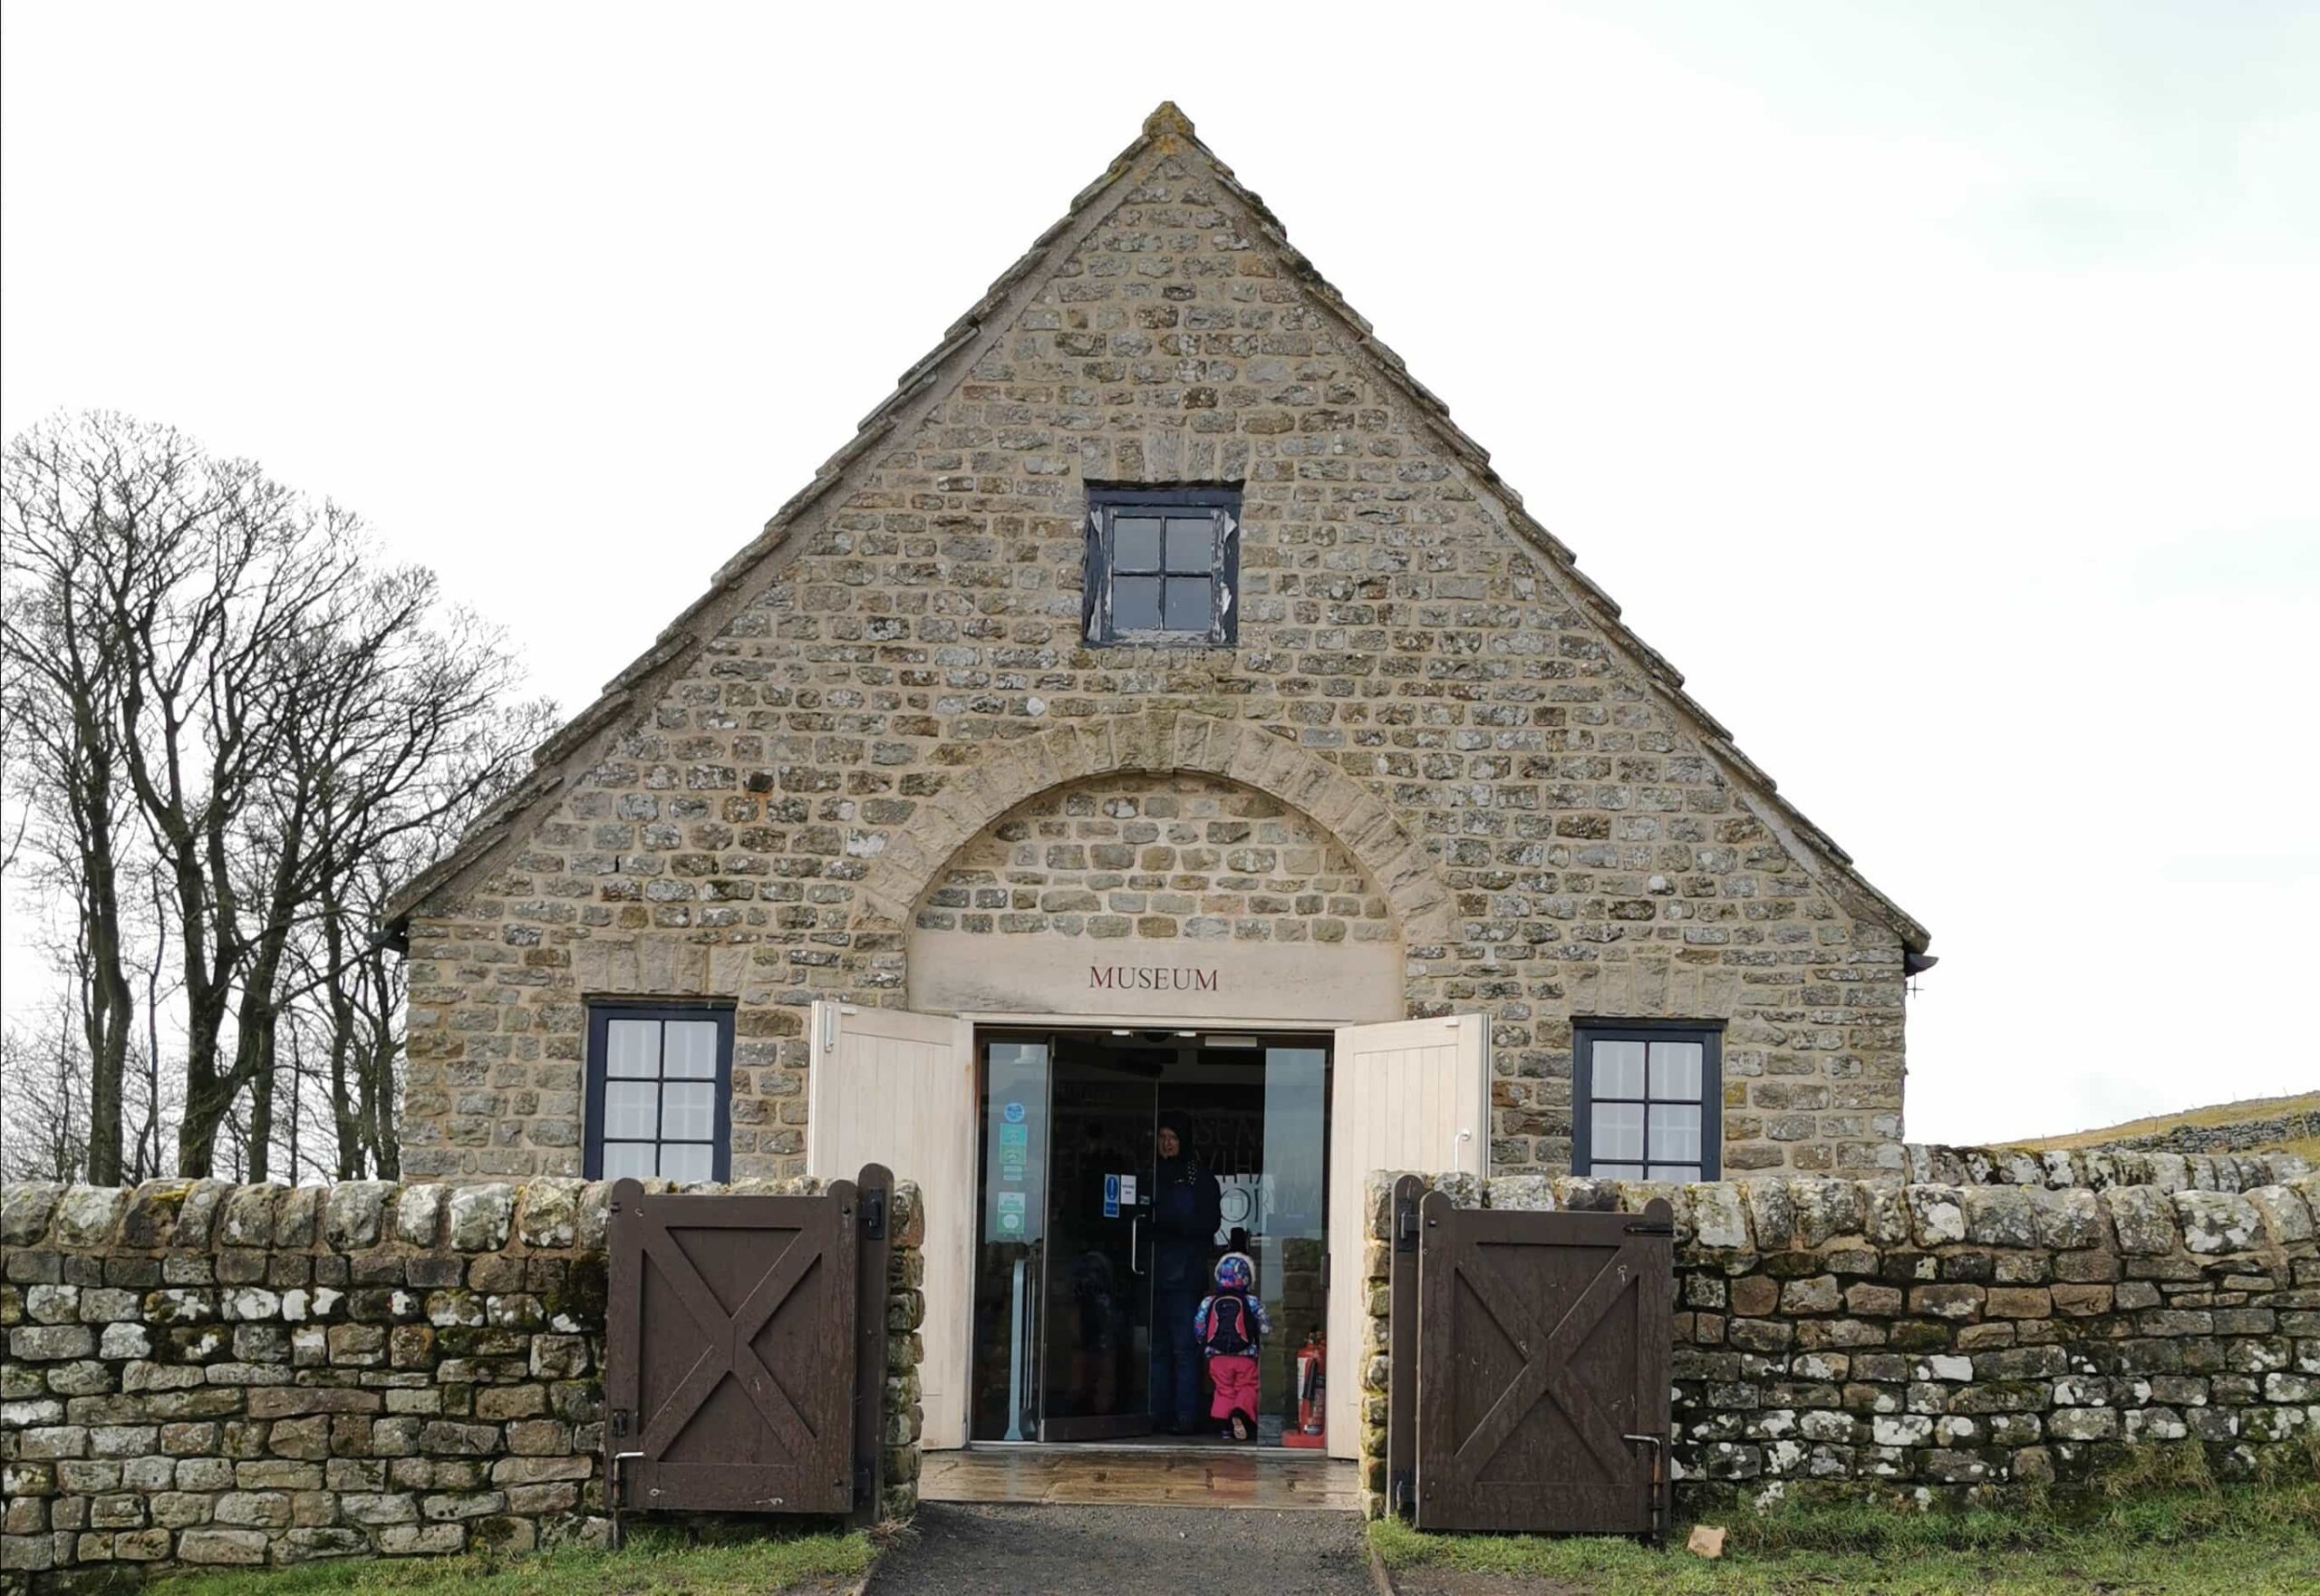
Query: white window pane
[(1676, 1132), (1618, 1131), (689, 1050), (1617, 1172), (623, 1159), (687, 1161), (632, 1110), (1191, 546), (1676, 1172), (1676, 1072), (1186, 604), (689, 1110), (633, 1047), (1136, 542), (1619, 1070), (1136, 603)]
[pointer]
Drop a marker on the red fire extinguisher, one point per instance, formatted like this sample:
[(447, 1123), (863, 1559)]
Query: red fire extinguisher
[(1312, 1394)]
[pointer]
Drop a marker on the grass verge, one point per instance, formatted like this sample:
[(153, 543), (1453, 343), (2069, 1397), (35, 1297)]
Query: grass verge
[(2243, 1541), (666, 1563)]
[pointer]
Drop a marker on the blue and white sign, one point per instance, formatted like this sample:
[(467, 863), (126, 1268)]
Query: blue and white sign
[(1013, 1112), (1111, 1196)]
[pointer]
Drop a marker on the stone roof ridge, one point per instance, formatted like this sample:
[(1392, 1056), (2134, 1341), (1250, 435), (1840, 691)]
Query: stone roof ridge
[(1167, 129), (1168, 117)]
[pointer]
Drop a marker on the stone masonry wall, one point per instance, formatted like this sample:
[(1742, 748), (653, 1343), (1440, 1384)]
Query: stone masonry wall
[(1144, 858), (1925, 1342), (900, 664), (203, 1374)]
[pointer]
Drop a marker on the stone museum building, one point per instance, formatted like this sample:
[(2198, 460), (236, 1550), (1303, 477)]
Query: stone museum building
[(1158, 709)]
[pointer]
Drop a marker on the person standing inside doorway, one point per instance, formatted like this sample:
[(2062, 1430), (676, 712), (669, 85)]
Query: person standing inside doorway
[(1186, 1208)]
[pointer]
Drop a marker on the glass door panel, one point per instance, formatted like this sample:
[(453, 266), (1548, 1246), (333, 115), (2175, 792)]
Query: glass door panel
[(1012, 1231), (1293, 1246), (1096, 1335)]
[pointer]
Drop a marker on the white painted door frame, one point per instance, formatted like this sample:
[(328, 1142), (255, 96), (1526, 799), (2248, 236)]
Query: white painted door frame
[(896, 1087)]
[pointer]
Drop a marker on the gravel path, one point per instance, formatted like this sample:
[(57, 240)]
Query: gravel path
[(960, 1550)]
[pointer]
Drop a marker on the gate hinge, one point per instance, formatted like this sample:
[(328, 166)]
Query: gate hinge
[(863, 1484), (1405, 1225), (873, 1214), (1401, 1493)]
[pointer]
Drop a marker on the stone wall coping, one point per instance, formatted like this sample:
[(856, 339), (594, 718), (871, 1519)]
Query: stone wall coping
[(1748, 1218), (2118, 1164), (1765, 1214), (545, 1214)]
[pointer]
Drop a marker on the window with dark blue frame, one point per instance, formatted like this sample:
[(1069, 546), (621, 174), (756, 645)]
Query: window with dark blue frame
[(1164, 566), (660, 1091), (1647, 1102)]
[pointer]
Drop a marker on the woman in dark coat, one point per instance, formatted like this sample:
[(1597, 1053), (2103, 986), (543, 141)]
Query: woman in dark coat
[(1186, 1208)]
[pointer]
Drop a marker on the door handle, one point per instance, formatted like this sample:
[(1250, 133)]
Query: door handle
[(1135, 1250)]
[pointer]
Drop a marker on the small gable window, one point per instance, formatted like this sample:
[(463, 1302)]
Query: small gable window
[(1648, 1103), (1163, 566), (660, 1091)]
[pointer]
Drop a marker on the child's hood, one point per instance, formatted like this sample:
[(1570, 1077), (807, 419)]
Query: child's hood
[(1236, 1273)]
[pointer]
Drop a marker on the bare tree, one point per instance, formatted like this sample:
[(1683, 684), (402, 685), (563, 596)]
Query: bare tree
[(159, 1118), (43, 1103), (285, 721), (419, 736), (63, 670)]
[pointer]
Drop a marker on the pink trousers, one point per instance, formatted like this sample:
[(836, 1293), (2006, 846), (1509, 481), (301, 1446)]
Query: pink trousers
[(1235, 1379)]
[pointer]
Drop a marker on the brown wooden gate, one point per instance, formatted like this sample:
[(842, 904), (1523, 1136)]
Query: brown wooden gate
[(745, 1348), (1534, 1393)]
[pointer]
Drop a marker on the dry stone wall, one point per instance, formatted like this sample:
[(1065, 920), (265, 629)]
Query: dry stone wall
[(1923, 1342), (791, 774), (2238, 1136), (203, 1374)]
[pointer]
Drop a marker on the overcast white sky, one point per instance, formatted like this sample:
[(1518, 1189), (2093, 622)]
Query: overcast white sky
[(1935, 384)]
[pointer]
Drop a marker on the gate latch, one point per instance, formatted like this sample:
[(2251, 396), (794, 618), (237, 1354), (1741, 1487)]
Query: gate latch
[(1646, 1228), (1405, 1225), (873, 1214), (862, 1484), (616, 1480)]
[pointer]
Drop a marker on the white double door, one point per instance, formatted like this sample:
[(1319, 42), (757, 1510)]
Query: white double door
[(899, 1089)]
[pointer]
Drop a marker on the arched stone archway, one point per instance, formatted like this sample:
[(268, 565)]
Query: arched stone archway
[(1160, 741)]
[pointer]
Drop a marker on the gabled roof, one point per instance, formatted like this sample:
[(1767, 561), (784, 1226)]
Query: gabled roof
[(1167, 131)]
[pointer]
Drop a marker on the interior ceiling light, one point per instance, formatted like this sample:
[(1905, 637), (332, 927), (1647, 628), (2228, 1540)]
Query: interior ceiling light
[(1230, 1040)]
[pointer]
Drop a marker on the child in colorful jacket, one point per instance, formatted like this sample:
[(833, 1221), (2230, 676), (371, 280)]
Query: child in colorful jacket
[(1231, 1325)]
